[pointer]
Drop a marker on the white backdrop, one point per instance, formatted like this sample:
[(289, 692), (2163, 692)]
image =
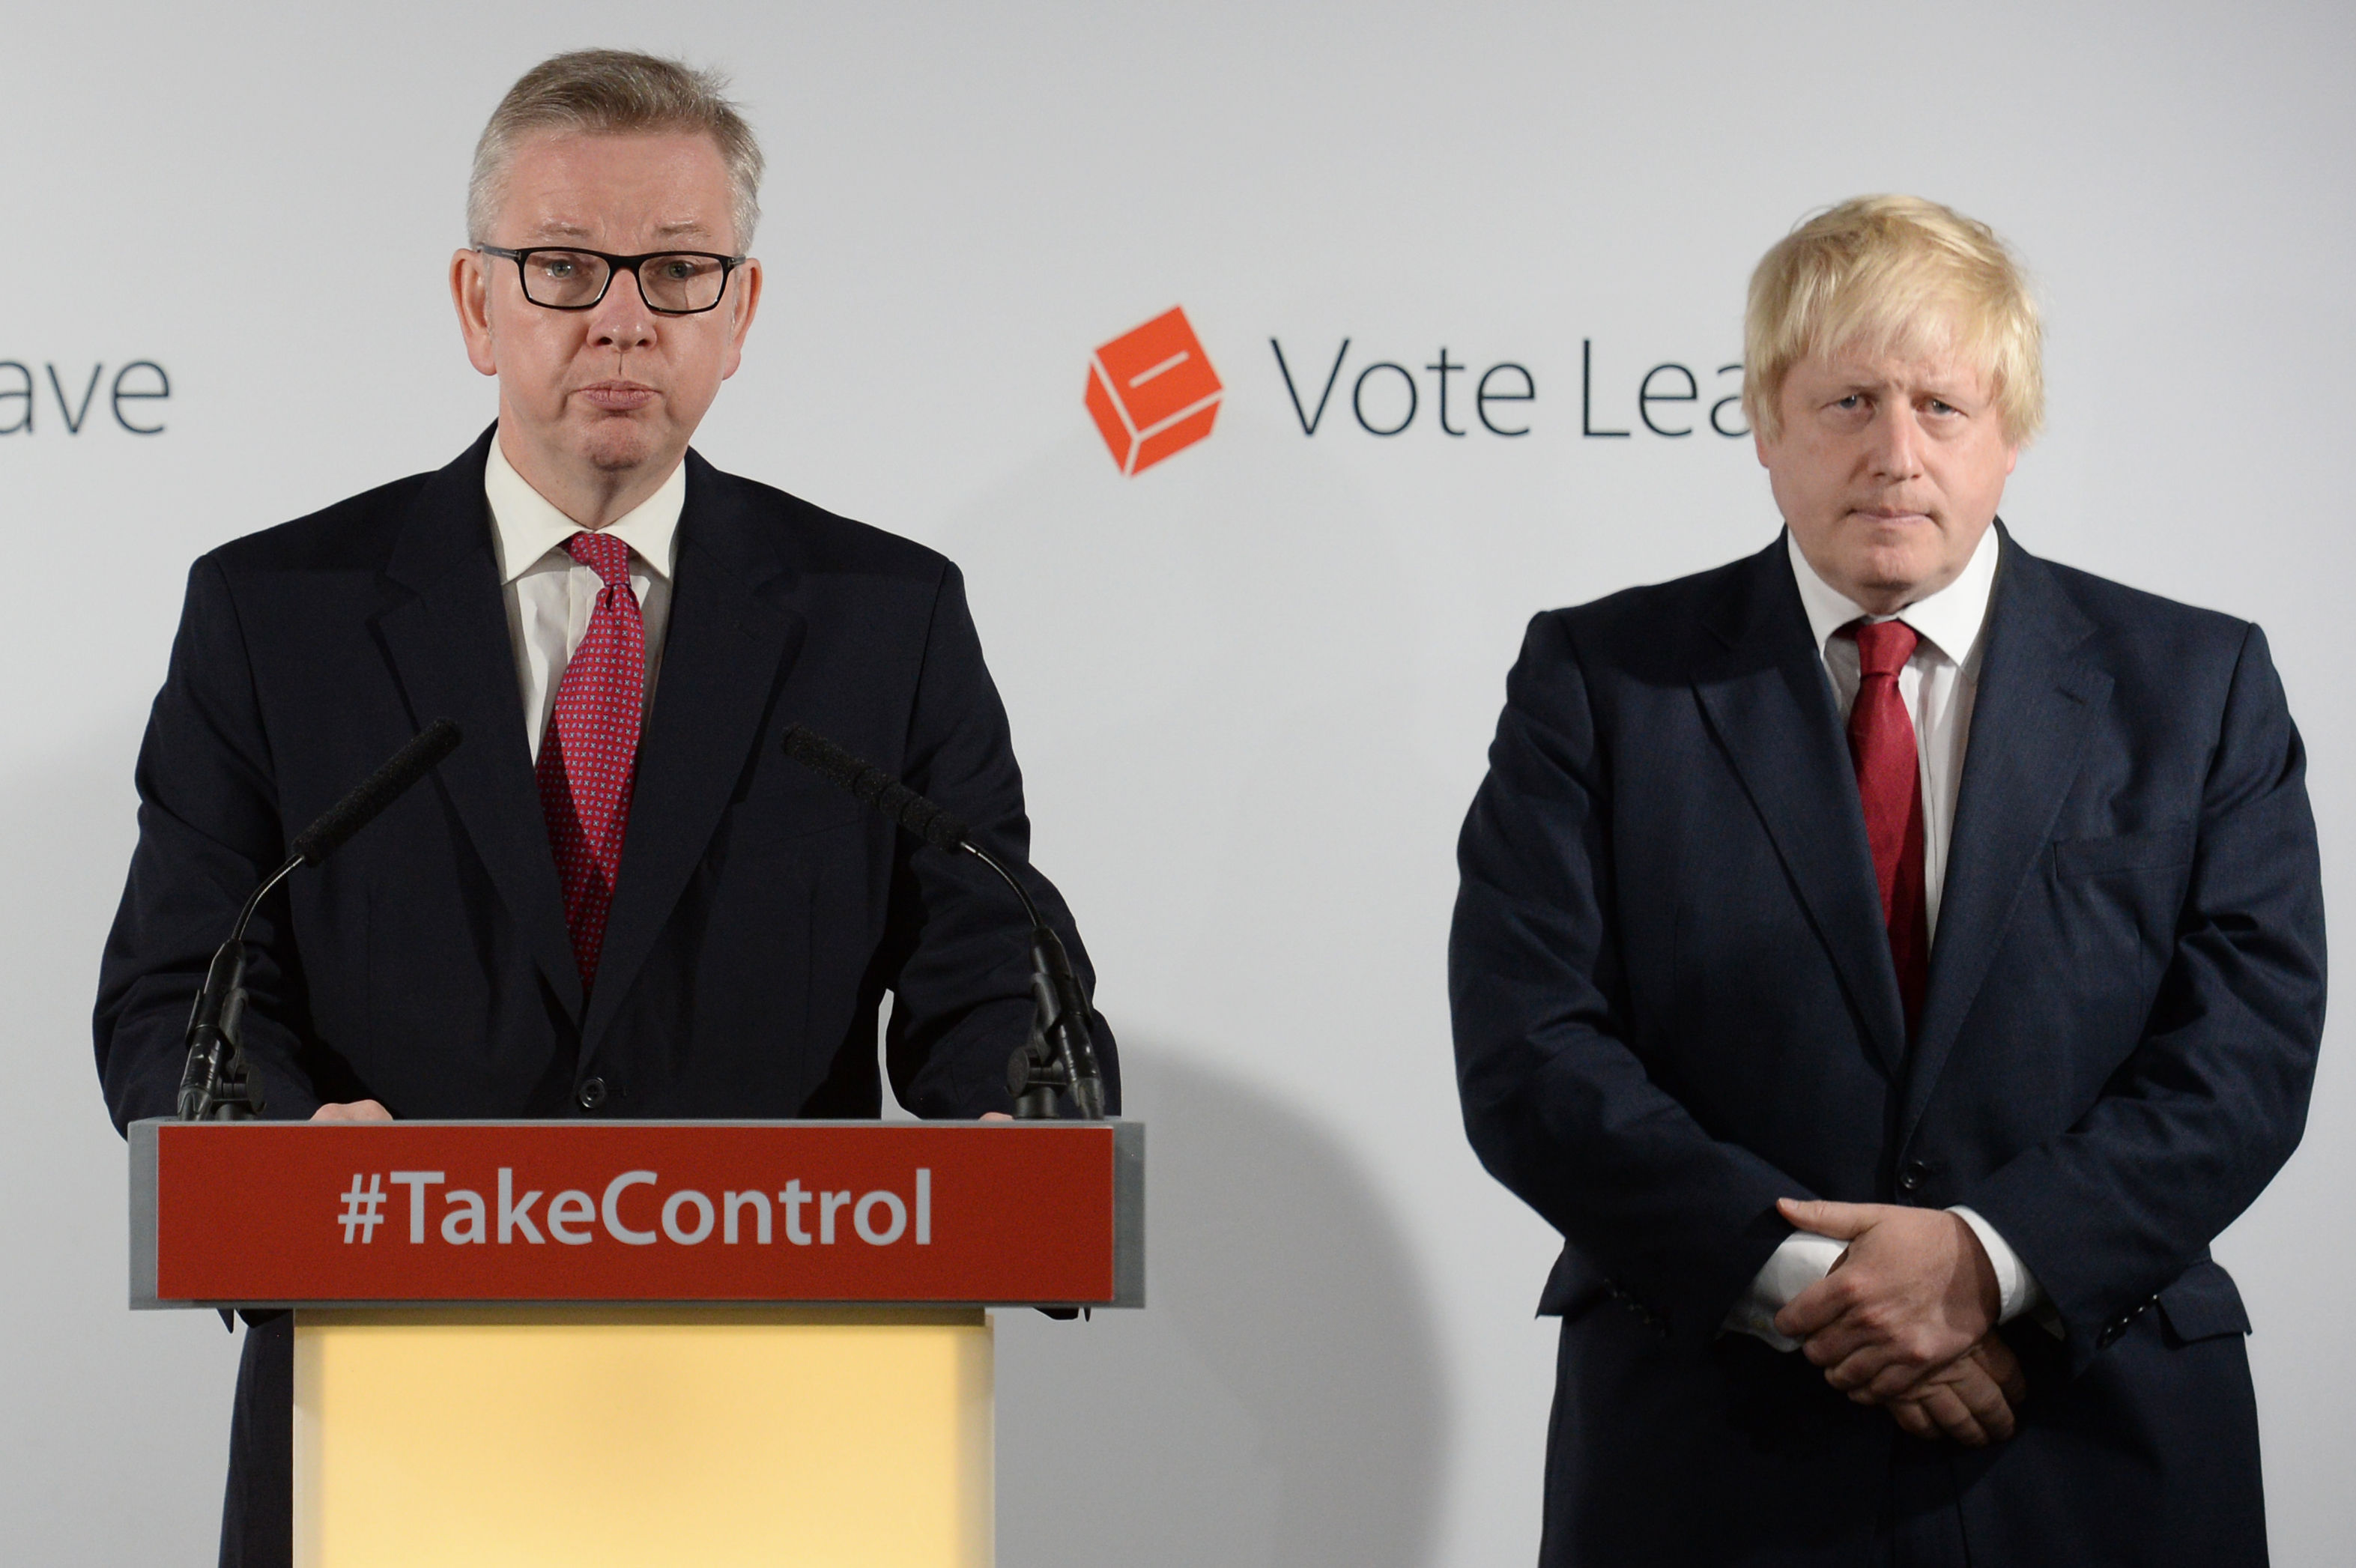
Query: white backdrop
[(1252, 686)]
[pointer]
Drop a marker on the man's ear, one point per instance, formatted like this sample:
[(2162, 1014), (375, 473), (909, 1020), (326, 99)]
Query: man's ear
[(747, 287), (471, 293)]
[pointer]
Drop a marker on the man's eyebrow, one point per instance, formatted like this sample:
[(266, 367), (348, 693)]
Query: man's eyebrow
[(561, 229)]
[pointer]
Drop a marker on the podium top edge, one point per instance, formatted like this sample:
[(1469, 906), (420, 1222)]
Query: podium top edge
[(703, 1121)]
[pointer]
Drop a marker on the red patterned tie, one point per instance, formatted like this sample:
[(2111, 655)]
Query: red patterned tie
[(590, 753), (1889, 782)]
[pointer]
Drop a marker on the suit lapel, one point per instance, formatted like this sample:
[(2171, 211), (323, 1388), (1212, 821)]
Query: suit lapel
[(450, 645), (2030, 718), (1771, 706), (721, 654)]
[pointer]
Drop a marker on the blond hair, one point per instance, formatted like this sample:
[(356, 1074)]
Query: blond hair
[(1894, 274), (607, 93)]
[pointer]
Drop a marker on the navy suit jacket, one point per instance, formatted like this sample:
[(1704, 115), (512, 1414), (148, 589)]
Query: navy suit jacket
[(1674, 1004), (760, 913)]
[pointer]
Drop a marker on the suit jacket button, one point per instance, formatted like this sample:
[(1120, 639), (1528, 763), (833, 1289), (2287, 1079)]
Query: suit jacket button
[(1915, 1173), (592, 1094)]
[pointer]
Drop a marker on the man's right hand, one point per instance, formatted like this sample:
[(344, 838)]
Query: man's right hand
[(352, 1110), (1971, 1398)]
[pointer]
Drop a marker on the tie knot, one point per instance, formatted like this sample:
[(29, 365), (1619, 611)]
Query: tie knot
[(602, 553), (1882, 647)]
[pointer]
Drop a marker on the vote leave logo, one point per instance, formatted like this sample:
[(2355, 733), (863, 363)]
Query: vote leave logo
[(1152, 393)]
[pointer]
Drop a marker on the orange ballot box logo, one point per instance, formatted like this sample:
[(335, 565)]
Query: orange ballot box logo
[(557, 1211), (1153, 392)]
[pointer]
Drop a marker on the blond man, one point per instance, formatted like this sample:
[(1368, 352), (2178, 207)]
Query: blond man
[(1889, 960)]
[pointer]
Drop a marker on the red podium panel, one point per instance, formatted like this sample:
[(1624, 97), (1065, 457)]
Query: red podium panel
[(304, 1214)]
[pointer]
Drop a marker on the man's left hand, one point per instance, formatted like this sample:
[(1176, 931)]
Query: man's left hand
[(1913, 1291), (1973, 1398)]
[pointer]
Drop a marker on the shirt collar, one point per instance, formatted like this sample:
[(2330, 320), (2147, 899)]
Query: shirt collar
[(1951, 620), (526, 526)]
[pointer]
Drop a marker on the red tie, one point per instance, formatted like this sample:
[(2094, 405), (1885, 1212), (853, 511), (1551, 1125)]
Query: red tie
[(1889, 782), (590, 752)]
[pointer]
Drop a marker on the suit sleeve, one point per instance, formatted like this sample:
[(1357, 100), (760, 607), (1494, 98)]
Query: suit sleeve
[(1556, 1104), (209, 831), (2214, 1098), (958, 949)]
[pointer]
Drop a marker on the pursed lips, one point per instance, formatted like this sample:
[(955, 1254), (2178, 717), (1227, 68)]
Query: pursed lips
[(616, 397)]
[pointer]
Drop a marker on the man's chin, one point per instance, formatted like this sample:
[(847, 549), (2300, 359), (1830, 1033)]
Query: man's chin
[(618, 446), (1904, 576), (1895, 568)]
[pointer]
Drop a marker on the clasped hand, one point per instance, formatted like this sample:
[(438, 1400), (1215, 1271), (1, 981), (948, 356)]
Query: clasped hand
[(1906, 1319)]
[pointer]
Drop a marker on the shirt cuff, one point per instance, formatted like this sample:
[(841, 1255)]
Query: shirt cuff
[(1799, 1260), (2017, 1289)]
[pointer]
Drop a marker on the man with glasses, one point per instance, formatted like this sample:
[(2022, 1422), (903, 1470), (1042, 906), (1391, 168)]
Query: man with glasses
[(617, 897)]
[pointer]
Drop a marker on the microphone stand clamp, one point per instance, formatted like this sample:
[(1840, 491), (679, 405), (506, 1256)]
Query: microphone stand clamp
[(1037, 1072), (215, 1085), (1059, 1055)]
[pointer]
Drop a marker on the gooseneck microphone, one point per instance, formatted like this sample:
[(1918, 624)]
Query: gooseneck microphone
[(1060, 1053), (374, 793), (214, 1086)]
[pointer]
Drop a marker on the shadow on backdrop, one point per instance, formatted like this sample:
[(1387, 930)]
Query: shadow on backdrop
[(1278, 1402)]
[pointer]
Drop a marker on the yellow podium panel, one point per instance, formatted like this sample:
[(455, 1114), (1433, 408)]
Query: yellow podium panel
[(585, 1437)]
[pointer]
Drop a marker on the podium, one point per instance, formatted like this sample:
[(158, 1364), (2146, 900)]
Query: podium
[(584, 1343)]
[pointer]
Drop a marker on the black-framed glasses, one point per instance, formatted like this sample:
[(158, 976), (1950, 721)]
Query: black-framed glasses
[(672, 282)]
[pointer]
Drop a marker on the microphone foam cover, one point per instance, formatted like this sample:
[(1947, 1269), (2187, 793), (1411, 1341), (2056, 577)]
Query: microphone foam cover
[(374, 793), (877, 787)]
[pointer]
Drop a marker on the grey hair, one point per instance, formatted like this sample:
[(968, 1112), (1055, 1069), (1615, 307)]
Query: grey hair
[(608, 91)]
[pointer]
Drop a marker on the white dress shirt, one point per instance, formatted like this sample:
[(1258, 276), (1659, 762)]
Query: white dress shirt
[(1938, 685), (550, 597)]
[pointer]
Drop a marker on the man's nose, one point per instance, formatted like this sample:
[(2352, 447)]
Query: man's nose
[(1897, 449), (621, 320)]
